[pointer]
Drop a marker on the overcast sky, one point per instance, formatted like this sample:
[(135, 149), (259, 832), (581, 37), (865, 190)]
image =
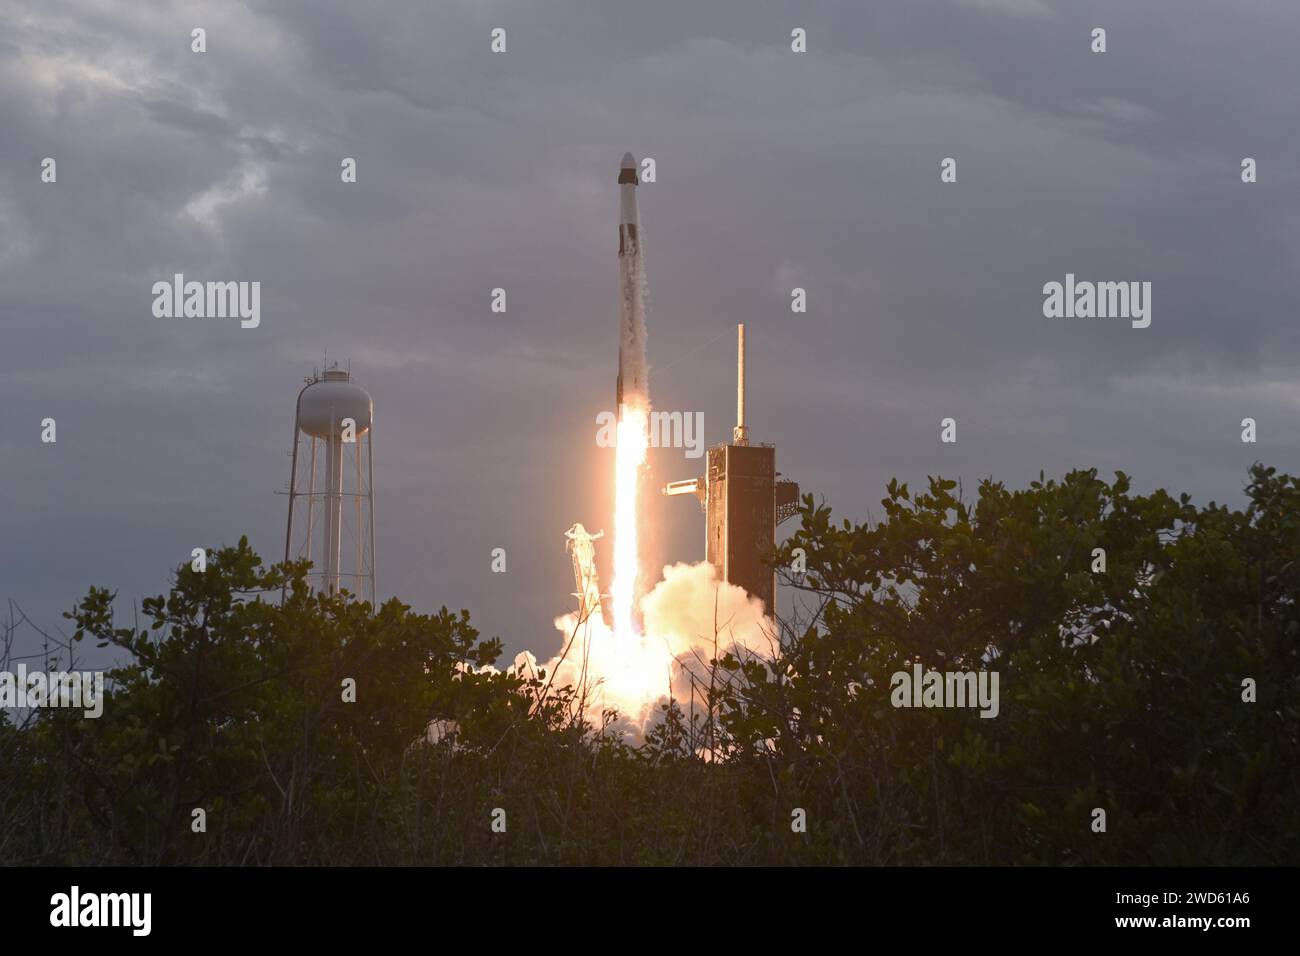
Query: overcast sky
[(478, 170)]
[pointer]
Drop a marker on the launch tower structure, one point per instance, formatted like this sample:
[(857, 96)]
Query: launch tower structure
[(744, 499)]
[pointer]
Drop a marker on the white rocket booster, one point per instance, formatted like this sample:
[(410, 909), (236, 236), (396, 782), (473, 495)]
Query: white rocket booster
[(632, 377)]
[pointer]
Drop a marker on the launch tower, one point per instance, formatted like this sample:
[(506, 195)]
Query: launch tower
[(744, 499)]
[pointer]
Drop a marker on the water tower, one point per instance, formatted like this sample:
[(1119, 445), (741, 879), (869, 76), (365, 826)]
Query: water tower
[(330, 490)]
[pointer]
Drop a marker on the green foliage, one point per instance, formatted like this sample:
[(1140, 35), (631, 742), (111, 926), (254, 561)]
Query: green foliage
[(1119, 689)]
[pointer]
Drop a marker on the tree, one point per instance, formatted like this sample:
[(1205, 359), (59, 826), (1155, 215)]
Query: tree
[(1120, 689)]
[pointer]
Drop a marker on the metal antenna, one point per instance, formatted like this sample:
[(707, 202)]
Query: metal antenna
[(740, 434)]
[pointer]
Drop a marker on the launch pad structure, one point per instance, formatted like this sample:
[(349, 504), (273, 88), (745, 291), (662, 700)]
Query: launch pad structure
[(744, 498)]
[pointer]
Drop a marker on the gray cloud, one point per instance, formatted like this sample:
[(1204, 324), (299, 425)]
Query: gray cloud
[(479, 171)]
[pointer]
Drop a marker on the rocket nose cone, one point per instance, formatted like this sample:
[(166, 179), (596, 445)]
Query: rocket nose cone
[(627, 171)]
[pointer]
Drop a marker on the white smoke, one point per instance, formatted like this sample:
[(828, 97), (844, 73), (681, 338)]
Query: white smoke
[(688, 618), (691, 610)]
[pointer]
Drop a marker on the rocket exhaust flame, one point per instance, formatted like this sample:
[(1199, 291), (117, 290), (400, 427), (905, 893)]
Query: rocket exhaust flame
[(633, 440)]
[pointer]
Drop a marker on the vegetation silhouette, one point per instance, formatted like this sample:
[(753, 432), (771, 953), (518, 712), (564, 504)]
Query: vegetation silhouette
[(1120, 689)]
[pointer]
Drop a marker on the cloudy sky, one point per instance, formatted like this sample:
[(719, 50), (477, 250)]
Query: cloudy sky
[(478, 170)]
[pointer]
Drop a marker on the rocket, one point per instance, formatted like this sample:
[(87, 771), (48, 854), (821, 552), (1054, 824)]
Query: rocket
[(631, 337)]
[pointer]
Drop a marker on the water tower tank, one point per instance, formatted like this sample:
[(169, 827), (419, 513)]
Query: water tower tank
[(324, 404)]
